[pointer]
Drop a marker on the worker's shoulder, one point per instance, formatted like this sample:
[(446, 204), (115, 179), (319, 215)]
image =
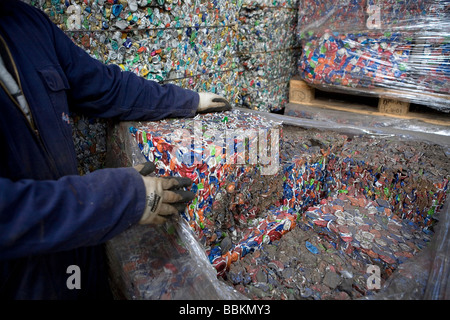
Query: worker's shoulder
[(14, 6), (19, 9), (18, 14)]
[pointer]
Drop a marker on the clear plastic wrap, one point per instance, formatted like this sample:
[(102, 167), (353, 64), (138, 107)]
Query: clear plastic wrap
[(373, 121), (163, 263), (397, 49), (426, 276)]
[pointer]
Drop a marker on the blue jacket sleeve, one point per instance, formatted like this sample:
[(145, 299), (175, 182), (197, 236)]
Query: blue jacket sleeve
[(74, 211), (107, 91)]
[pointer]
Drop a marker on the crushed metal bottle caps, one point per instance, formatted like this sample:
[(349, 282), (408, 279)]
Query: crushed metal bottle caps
[(89, 138)]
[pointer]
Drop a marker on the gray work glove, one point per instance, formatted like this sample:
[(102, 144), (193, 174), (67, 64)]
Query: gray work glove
[(164, 195), (211, 102)]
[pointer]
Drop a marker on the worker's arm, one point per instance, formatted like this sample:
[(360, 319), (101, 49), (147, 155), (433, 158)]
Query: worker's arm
[(39, 217), (48, 216), (107, 91)]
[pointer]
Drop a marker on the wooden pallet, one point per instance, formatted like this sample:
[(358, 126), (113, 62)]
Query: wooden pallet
[(302, 93)]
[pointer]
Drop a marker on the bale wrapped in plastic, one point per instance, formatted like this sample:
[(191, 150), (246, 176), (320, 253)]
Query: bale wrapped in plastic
[(394, 49), (359, 197)]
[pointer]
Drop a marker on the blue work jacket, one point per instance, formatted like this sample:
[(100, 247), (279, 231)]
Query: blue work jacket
[(51, 218)]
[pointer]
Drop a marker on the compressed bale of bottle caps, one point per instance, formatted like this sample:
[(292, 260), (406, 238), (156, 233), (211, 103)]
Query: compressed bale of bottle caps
[(398, 49), (345, 66), (266, 76), (137, 14), (268, 53)]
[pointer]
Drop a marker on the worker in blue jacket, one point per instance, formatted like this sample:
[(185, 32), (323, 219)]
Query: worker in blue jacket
[(51, 218)]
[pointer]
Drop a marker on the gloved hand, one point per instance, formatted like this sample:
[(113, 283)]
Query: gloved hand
[(164, 197), (211, 102)]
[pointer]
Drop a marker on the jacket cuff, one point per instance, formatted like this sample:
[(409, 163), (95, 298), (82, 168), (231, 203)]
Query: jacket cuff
[(140, 203)]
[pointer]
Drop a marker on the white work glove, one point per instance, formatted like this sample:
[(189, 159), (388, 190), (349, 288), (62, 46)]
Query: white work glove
[(164, 196), (211, 102)]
